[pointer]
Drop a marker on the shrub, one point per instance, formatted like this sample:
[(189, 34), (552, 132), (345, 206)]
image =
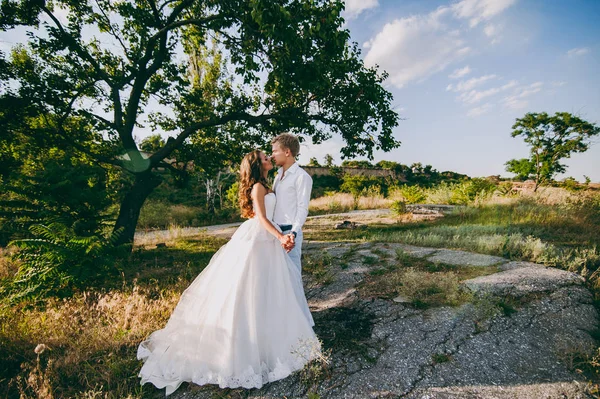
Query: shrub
[(232, 195), (505, 188), (472, 191), (413, 194), (57, 262), (398, 207)]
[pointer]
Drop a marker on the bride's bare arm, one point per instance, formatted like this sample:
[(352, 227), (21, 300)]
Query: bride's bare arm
[(258, 197)]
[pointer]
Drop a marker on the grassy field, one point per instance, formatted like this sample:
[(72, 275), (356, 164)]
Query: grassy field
[(85, 346)]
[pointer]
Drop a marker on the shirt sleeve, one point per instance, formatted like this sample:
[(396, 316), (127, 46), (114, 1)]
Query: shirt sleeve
[(303, 188)]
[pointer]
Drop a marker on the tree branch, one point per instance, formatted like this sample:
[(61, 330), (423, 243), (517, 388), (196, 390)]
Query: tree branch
[(75, 46), (173, 143), (113, 33)]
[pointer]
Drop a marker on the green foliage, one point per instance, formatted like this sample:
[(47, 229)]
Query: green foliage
[(152, 143), (398, 207), (57, 262), (524, 168), (551, 139), (413, 194), (472, 190), (359, 185), (314, 162), (328, 160), (505, 188), (293, 66), (232, 195), (325, 183), (46, 180), (357, 164), (571, 184)]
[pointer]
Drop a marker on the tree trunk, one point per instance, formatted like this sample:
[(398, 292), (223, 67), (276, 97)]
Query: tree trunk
[(129, 213), (211, 191)]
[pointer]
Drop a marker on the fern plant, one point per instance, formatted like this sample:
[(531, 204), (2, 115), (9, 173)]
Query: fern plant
[(56, 262)]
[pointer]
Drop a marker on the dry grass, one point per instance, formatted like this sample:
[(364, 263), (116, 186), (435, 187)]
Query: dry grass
[(8, 267), (344, 202), (423, 283), (544, 195), (374, 202), (91, 339), (168, 236)]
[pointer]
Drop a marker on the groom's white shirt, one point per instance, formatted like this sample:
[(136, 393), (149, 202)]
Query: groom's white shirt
[(293, 196)]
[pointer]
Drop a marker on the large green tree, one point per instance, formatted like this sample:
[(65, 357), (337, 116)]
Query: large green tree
[(551, 139), (116, 67)]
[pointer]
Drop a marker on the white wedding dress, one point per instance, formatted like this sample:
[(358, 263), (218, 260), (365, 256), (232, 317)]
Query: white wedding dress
[(243, 322)]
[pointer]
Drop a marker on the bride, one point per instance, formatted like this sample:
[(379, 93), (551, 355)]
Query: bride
[(244, 321)]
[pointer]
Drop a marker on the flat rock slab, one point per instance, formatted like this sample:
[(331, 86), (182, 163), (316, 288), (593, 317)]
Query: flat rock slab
[(418, 252), (453, 257), (524, 281), (488, 348)]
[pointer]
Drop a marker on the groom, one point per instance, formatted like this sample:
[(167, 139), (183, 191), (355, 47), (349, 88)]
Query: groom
[(292, 188)]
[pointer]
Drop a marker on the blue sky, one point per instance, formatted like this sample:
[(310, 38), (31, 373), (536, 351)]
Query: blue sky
[(461, 72)]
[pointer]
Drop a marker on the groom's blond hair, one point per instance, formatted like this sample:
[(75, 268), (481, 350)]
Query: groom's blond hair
[(289, 141)]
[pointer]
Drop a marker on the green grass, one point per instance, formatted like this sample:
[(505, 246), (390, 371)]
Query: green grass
[(426, 284), (564, 236), (319, 267), (92, 337)]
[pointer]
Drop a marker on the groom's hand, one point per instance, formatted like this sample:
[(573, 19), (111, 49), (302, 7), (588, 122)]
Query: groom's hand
[(291, 242), (287, 243)]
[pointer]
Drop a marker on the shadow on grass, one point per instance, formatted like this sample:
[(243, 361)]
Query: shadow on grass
[(172, 265), (346, 330)]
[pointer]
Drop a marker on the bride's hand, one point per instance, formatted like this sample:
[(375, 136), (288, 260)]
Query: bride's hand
[(287, 242)]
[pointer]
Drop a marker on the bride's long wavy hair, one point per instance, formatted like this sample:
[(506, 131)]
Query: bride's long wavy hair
[(250, 173)]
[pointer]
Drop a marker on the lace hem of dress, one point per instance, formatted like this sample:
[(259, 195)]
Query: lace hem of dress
[(304, 352)]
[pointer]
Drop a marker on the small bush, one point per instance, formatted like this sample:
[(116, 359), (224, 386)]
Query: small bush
[(413, 194), (398, 207), (232, 195)]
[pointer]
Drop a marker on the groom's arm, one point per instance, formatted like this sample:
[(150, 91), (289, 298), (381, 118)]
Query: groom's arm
[(303, 189)]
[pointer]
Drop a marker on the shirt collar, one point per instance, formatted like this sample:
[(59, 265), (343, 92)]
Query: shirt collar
[(292, 169)]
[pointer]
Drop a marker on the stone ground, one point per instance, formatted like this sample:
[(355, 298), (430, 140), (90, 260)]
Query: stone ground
[(388, 348)]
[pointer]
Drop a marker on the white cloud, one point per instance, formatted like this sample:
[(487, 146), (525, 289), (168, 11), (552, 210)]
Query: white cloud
[(355, 7), (558, 83), (490, 30), (474, 96), (470, 84), (473, 112), (578, 51), (517, 100), (493, 32), (416, 47), (413, 48), (477, 11), (459, 73)]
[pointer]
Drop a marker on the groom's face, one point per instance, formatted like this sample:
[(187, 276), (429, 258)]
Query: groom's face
[(279, 154)]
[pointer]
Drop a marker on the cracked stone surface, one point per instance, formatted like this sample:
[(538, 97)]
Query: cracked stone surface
[(515, 339), (453, 257)]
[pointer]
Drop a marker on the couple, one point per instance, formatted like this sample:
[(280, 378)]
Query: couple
[(244, 321)]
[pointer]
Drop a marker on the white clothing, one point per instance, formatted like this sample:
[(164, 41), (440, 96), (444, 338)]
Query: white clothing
[(293, 196), (243, 322), (296, 253)]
